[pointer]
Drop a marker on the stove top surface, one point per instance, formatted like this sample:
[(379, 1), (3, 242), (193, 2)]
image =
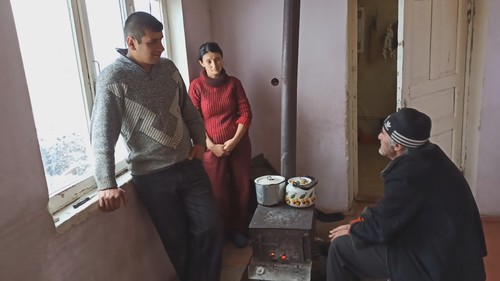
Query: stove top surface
[(282, 217)]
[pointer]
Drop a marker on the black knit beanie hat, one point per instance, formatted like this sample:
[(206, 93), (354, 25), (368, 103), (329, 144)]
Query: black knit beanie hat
[(408, 127)]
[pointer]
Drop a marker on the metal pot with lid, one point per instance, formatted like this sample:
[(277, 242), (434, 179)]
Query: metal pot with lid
[(270, 189)]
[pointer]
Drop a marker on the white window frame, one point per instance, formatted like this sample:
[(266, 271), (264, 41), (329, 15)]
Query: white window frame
[(60, 204)]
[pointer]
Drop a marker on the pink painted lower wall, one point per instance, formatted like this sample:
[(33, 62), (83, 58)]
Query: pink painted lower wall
[(122, 245)]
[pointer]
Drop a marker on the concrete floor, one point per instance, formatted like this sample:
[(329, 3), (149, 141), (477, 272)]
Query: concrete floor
[(234, 262), (370, 164), (492, 233)]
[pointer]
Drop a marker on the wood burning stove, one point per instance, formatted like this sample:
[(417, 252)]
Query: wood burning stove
[(283, 238)]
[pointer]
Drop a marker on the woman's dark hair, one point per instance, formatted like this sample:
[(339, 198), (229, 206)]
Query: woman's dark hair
[(137, 23), (211, 47)]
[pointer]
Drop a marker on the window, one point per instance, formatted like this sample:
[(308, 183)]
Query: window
[(64, 45)]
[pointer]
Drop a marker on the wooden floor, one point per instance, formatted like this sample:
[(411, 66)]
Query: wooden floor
[(370, 164), (370, 189), (492, 261)]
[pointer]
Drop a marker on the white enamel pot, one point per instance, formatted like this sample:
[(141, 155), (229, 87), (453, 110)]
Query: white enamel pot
[(300, 191), (270, 190)]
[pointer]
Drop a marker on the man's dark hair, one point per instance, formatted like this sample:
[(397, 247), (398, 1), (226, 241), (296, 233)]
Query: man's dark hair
[(137, 23)]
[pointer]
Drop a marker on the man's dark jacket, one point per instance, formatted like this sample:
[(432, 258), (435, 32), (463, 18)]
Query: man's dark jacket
[(428, 218)]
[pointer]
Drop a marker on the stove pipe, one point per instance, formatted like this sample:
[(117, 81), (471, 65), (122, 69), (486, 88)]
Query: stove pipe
[(289, 88)]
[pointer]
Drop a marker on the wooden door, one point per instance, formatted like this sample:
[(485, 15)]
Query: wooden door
[(432, 37)]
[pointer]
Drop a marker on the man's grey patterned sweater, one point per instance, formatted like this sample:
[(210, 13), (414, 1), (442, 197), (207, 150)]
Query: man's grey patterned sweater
[(153, 113)]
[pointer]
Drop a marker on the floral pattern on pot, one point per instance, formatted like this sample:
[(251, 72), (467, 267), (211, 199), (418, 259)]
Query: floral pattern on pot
[(300, 200)]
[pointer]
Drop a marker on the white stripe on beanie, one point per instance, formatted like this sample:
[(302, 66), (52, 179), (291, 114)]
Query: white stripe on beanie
[(395, 135)]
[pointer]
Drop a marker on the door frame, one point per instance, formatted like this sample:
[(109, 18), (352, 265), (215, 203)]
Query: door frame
[(468, 132), (352, 101)]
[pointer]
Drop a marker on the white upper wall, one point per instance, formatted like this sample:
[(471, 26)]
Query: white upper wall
[(252, 52), (251, 34), (488, 177), (475, 86), (197, 29)]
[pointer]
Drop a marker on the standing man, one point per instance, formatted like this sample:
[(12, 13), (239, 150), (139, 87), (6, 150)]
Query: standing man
[(143, 97), (427, 225)]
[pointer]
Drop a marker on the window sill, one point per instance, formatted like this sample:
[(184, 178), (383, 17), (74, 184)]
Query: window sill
[(83, 208)]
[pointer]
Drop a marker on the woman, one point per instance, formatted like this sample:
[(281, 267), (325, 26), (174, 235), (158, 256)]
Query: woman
[(224, 107)]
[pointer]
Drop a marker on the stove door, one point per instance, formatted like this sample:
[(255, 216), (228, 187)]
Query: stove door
[(279, 272)]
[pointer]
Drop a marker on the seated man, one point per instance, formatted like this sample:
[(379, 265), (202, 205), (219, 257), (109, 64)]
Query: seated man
[(427, 225)]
